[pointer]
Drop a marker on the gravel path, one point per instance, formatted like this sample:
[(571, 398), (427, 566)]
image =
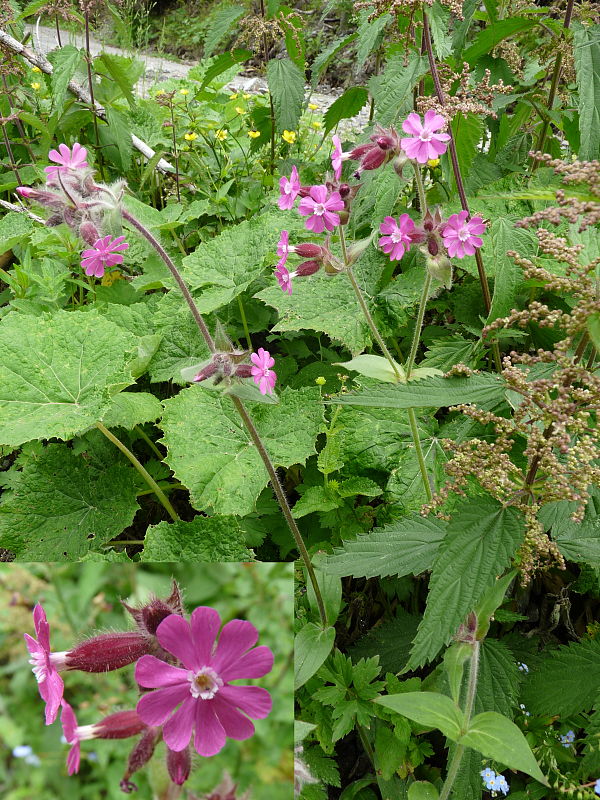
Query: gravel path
[(160, 68)]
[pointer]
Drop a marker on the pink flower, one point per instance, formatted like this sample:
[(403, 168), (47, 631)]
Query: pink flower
[(462, 238), (67, 160), (320, 208), (425, 142), (263, 375), (201, 688), (337, 157), (103, 255), (289, 189), (68, 721), (284, 279), (398, 239), (283, 248), (45, 664)]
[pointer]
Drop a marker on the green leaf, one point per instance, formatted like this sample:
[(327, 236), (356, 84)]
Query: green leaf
[(210, 451), (376, 367), (325, 57), (493, 34), (501, 236), (13, 228), (485, 390), (391, 641), (439, 20), (481, 540), (58, 373), (566, 682), (345, 107), (301, 730), (331, 591), (359, 486), (122, 70), (586, 49), (219, 24), (286, 85), (498, 679), (445, 353), (182, 344), (312, 645), (496, 737), (392, 90), (370, 36), (118, 134), (593, 326), (61, 505), (580, 541), (427, 708), (401, 548), (64, 62), (202, 539), (129, 409), (316, 498), (224, 62), (422, 790), (490, 601), (467, 132)]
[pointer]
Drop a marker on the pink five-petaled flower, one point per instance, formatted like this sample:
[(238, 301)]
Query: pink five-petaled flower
[(45, 664), (66, 159), (284, 278), (462, 237), (263, 375), (398, 238), (425, 143), (337, 157), (209, 703), (320, 208), (289, 189), (283, 248), (102, 255)]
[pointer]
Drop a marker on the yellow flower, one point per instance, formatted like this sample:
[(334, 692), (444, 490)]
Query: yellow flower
[(35, 85), (433, 162), (316, 125), (320, 381), (189, 137), (254, 134), (184, 91), (111, 277), (36, 69), (240, 110), (234, 96), (313, 106), (221, 135), (289, 136), (246, 96)]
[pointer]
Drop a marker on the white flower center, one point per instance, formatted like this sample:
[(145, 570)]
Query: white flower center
[(319, 209), (463, 234), (396, 236), (426, 136), (39, 666), (288, 187), (205, 683)]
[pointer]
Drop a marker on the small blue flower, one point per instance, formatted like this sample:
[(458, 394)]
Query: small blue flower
[(502, 784), (524, 710), (567, 739), (487, 773), (492, 784), (597, 786), (22, 751), (522, 667)]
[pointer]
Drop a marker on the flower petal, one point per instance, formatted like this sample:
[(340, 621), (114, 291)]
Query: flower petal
[(153, 673), (177, 731), (210, 736), (236, 637), (205, 623), (175, 635), (252, 700), (412, 124), (253, 664), (154, 708), (234, 723)]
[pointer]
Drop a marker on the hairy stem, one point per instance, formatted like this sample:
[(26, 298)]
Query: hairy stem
[(410, 362), (143, 435), (141, 469)]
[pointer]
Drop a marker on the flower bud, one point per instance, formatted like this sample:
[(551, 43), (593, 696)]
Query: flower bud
[(139, 757), (108, 651), (374, 159), (344, 190), (344, 216), (385, 142), (206, 372), (44, 198), (179, 765), (360, 151), (149, 616), (433, 246), (308, 250), (307, 268), (243, 371), (89, 232), (120, 725)]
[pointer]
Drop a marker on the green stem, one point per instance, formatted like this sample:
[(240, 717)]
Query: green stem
[(140, 468), (418, 325), (283, 502), (366, 744), (414, 429), (143, 435), (244, 322)]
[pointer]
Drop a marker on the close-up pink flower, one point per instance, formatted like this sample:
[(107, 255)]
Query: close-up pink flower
[(398, 232), (289, 189), (284, 278), (263, 375), (462, 237), (67, 159), (199, 692), (283, 248), (104, 254), (320, 208), (337, 157), (45, 664), (425, 143), (68, 721)]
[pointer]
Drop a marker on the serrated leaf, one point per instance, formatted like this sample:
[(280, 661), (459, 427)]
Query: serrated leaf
[(57, 373), (391, 641), (498, 679), (495, 736), (388, 755), (376, 367), (427, 708), (202, 539), (480, 542), (358, 485), (224, 62), (123, 71), (117, 134), (467, 131), (422, 790), (286, 85), (61, 505), (316, 498), (13, 228), (445, 353), (586, 50), (400, 548), (312, 645), (210, 451), (502, 236), (129, 409), (64, 62), (219, 25), (392, 90), (302, 729), (370, 35), (346, 106), (580, 541), (566, 682), (182, 344), (493, 34), (439, 19)]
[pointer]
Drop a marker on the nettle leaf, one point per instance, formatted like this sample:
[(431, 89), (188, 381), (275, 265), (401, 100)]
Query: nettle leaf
[(406, 547), (61, 505), (312, 645), (202, 539), (345, 107), (566, 682), (392, 90), (58, 373), (181, 345), (467, 132), (495, 736), (129, 409), (580, 541), (445, 353), (480, 542), (502, 235), (391, 641), (219, 25), (316, 498), (427, 708), (489, 37), (587, 67), (223, 267), (65, 62), (210, 451), (286, 85), (13, 228), (439, 19), (370, 35), (498, 679)]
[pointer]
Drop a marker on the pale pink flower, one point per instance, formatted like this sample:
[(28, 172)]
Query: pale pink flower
[(68, 721), (398, 239), (320, 208), (201, 688), (102, 255), (263, 375), (337, 157), (283, 248), (66, 159), (289, 189), (462, 237), (284, 278), (46, 664), (425, 143)]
